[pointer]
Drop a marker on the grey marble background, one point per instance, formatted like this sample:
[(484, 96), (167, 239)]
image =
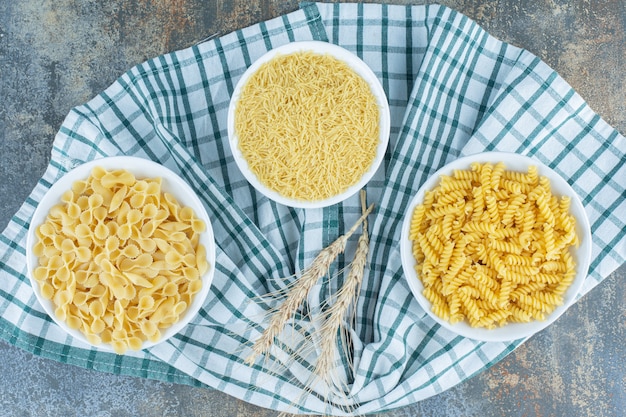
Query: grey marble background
[(58, 54)]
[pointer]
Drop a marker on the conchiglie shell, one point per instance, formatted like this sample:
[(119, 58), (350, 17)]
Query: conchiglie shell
[(161, 215), (40, 273), (61, 312), (140, 186), (73, 322), (154, 187), (63, 273), (186, 214), (101, 232), (111, 244), (170, 289), (134, 216), (124, 231), (97, 326), (195, 286), (94, 339), (68, 258), (67, 196), (80, 298), (45, 229), (95, 201), (86, 217), (202, 265), (147, 245), (148, 328), (106, 336), (96, 308), (131, 251), (132, 314), (146, 303), (149, 211), (83, 254), (119, 345), (191, 273), (79, 187), (155, 337), (92, 281), (198, 226), (108, 319), (179, 308), (98, 172), (83, 202), (189, 259), (135, 343), (82, 231), (99, 213), (47, 291), (173, 258), (137, 200)]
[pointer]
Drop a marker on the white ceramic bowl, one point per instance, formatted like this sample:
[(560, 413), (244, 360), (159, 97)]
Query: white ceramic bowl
[(361, 69), (141, 168), (582, 254)]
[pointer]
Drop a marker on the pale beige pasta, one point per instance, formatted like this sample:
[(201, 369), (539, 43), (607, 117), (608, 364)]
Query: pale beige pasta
[(120, 259), (307, 125), (492, 246)]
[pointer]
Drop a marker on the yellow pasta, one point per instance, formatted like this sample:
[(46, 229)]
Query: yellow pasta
[(120, 259), (493, 246), (307, 125)]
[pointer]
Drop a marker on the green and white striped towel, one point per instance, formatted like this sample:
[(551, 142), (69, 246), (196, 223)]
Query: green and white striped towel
[(453, 90)]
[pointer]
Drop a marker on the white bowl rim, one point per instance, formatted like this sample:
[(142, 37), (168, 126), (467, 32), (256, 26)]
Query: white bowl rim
[(511, 331), (142, 168), (360, 68)]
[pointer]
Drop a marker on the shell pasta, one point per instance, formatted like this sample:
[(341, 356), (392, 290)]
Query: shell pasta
[(492, 246), (120, 259)]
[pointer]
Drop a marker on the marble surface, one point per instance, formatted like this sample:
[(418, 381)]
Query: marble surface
[(58, 54)]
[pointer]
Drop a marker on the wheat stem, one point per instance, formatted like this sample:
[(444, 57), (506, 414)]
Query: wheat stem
[(346, 297), (318, 268)]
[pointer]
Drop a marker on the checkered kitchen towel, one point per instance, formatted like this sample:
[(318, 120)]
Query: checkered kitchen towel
[(453, 90)]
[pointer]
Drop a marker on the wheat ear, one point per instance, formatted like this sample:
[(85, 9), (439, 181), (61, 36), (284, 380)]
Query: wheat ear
[(318, 268), (337, 313)]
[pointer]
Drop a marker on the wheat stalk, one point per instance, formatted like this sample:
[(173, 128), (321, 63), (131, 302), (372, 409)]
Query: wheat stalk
[(318, 268), (337, 313)]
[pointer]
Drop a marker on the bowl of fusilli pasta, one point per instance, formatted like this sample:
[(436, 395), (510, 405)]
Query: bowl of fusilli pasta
[(495, 246), (120, 253)]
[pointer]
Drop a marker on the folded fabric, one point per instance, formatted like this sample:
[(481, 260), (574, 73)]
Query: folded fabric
[(453, 90)]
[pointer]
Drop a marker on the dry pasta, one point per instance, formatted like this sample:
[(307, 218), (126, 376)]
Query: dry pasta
[(307, 125), (493, 246), (119, 258)]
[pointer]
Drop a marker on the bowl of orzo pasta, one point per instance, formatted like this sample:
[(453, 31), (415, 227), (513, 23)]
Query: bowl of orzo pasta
[(308, 124)]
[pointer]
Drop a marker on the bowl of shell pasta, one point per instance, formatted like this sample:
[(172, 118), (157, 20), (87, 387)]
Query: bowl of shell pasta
[(121, 253), (495, 246)]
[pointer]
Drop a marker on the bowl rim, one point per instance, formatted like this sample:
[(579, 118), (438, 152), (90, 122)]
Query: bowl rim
[(582, 254), (362, 69), (141, 168)]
